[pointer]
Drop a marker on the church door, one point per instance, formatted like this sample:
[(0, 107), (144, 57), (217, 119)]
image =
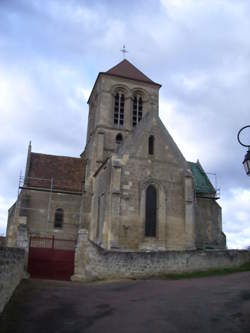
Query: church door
[(151, 213)]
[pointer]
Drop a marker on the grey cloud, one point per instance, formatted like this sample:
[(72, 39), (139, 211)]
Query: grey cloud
[(57, 54)]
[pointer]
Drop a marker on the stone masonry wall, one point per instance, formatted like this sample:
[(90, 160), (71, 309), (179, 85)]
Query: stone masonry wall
[(11, 272), (208, 224), (94, 263), (2, 241)]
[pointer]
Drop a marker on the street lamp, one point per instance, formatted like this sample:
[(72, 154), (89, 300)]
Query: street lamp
[(246, 161)]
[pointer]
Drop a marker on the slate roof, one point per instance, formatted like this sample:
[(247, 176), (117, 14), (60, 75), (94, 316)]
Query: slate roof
[(67, 172), (201, 182), (127, 70)]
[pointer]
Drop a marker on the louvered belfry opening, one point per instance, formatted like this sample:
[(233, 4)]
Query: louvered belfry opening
[(119, 109), (137, 110), (151, 211)]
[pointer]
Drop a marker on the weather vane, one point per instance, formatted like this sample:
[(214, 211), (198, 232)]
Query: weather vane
[(124, 51)]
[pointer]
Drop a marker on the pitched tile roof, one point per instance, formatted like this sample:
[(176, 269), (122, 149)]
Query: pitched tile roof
[(127, 70), (67, 172)]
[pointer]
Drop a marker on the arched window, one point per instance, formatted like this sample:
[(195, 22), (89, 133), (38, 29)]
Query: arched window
[(119, 138), (151, 211), (119, 109), (137, 109), (58, 221), (151, 140)]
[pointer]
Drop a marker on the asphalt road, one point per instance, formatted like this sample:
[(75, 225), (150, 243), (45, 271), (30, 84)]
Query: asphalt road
[(214, 304)]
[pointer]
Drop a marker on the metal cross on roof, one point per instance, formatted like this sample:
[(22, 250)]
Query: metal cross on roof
[(124, 51)]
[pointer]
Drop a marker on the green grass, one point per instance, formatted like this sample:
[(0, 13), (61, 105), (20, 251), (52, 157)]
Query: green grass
[(210, 272)]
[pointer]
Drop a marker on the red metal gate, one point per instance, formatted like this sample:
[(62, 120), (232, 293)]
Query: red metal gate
[(51, 258)]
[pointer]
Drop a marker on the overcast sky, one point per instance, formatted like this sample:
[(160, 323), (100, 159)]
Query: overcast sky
[(199, 50)]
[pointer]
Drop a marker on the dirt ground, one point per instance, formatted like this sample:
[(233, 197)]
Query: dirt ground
[(214, 304)]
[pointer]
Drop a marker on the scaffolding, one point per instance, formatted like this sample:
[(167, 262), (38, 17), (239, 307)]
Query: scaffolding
[(214, 183), (31, 204)]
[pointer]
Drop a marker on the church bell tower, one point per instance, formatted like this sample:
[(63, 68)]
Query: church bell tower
[(119, 100)]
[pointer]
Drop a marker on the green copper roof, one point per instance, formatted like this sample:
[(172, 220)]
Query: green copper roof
[(201, 182)]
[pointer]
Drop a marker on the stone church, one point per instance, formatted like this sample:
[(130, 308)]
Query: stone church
[(131, 188)]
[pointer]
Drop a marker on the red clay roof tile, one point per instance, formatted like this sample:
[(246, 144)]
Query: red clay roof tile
[(127, 70), (67, 172)]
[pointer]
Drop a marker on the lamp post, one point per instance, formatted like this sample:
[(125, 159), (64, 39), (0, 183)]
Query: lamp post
[(246, 161)]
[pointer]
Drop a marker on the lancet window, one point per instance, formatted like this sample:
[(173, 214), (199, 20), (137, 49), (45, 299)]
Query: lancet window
[(151, 211), (151, 140)]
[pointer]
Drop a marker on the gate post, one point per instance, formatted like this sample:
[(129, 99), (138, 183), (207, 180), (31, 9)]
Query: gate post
[(23, 241), (81, 256)]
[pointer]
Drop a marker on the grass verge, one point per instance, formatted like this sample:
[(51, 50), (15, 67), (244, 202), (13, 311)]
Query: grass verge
[(210, 272)]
